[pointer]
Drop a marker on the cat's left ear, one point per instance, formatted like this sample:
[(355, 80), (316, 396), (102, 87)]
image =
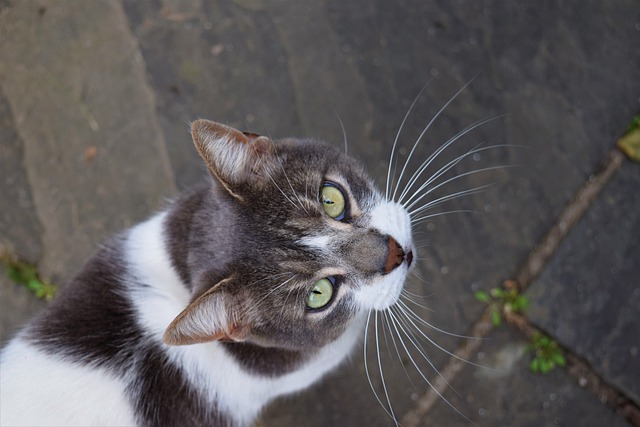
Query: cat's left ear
[(211, 317), (234, 157)]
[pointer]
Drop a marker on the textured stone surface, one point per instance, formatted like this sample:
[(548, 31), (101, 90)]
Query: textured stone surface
[(82, 155), (506, 393), (588, 296), (126, 78)]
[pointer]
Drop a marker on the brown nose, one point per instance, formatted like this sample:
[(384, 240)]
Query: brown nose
[(395, 257)]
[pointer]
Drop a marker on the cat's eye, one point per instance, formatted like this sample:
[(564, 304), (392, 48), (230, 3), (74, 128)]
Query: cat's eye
[(333, 201), (321, 293)]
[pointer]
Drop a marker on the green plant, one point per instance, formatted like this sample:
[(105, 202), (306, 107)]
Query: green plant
[(503, 301), (547, 354), (630, 142), (26, 275)]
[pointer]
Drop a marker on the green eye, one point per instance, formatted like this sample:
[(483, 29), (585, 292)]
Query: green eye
[(321, 293), (333, 201)]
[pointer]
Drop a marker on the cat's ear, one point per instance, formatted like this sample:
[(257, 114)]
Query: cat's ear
[(211, 317), (232, 156)]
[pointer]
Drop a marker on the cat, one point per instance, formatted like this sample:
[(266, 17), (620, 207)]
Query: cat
[(251, 286)]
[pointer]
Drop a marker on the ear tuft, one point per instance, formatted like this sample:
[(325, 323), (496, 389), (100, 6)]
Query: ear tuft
[(232, 156), (211, 317)]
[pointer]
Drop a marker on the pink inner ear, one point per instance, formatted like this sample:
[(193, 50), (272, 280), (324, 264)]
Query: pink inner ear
[(261, 145)]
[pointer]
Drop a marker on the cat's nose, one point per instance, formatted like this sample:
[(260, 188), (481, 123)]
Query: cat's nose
[(395, 256)]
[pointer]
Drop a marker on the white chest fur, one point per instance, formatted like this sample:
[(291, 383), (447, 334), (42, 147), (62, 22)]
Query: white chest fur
[(38, 389)]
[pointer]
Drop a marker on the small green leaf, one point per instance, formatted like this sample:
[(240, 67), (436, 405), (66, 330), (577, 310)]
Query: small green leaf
[(559, 359), (630, 144), (520, 303), (496, 318), (498, 293), (26, 275), (482, 296), (535, 365)]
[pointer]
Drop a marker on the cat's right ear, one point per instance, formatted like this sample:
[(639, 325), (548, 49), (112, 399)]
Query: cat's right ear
[(213, 316), (233, 157)]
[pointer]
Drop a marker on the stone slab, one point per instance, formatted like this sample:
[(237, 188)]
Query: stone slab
[(93, 152), (20, 229), (506, 393), (589, 294)]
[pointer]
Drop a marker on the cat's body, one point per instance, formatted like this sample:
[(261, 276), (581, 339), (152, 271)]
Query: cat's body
[(248, 288)]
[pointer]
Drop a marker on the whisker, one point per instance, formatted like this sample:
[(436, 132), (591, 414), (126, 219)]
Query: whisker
[(277, 287), (424, 131), (411, 313), (344, 132), (395, 141), (420, 350), (413, 298), (387, 320), (439, 201), (433, 342), (448, 167), (441, 149), (293, 191), (366, 366), (283, 193), (384, 384), (422, 219)]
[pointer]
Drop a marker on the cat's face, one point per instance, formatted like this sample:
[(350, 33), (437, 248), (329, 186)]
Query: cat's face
[(325, 247)]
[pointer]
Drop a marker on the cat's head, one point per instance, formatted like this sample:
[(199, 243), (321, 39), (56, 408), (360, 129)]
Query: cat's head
[(324, 247)]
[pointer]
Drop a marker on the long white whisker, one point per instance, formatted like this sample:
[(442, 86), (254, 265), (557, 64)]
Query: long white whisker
[(442, 148), (366, 366), (435, 344), (413, 298), (454, 178), (344, 132), (283, 193), (410, 313), (422, 219), (384, 384), (437, 202), (419, 349), (395, 141), (424, 131), (277, 287), (388, 319), (293, 191), (445, 169)]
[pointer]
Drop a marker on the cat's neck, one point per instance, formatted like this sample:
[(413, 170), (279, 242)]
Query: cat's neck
[(237, 377)]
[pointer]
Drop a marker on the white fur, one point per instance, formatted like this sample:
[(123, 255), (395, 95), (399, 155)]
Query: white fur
[(391, 219), (208, 366), (229, 155), (55, 389), (321, 243)]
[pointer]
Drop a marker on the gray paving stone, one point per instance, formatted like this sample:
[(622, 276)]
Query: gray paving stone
[(588, 296), (509, 394), (92, 150), (19, 224)]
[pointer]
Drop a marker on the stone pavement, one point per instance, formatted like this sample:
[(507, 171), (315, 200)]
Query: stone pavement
[(95, 98)]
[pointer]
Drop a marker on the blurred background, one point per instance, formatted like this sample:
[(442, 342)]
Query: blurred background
[(95, 103)]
